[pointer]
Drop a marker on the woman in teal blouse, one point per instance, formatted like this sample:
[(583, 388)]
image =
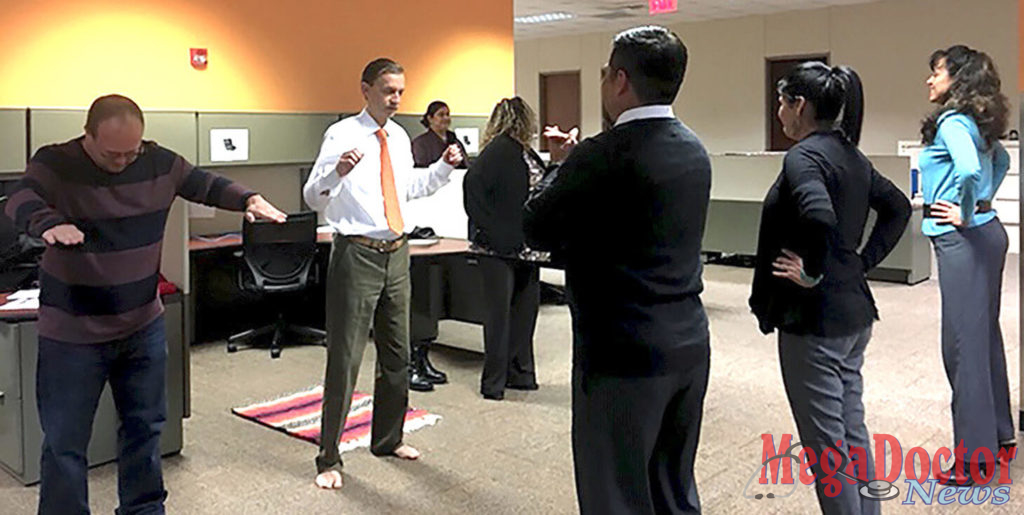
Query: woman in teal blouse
[(961, 169)]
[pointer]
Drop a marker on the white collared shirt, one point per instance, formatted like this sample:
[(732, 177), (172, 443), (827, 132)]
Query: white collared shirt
[(645, 112), (354, 205)]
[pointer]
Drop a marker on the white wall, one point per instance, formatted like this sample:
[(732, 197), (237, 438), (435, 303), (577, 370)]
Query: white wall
[(723, 96)]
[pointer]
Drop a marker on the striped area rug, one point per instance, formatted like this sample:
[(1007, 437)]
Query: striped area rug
[(298, 415)]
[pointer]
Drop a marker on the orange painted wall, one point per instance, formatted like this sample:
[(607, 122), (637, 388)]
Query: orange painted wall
[(264, 55)]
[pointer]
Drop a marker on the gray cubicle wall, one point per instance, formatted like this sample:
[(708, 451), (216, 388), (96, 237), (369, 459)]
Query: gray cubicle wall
[(175, 130), (13, 140), (20, 432), (274, 138)]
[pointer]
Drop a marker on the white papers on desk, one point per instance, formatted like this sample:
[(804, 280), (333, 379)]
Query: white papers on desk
[(22, 299), (423, 242), (325, 229)]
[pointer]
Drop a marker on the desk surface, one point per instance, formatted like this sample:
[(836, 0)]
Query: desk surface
[(15, 314), (443, 246)]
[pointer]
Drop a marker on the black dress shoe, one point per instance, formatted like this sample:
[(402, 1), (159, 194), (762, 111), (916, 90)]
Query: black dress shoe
[(1008, 451), (524, 386), (419, 383), (952, 477), (493, 396)]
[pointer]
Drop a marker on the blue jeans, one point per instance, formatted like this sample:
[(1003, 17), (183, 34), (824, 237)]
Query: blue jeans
[(69, 381)]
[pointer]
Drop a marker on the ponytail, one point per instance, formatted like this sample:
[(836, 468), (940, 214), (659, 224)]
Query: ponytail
[(836, 94), (853, 103)]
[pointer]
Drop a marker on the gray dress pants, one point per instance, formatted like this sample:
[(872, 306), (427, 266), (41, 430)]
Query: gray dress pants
[(824, 387), (970, 263)]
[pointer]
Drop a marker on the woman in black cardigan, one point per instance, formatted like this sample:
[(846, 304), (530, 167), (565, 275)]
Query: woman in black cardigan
[(495, 189), (809, 277)]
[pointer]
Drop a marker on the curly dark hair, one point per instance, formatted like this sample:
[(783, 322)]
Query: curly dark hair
[(975, 91)]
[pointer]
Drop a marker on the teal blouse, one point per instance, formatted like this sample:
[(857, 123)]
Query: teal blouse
[(959, 167)]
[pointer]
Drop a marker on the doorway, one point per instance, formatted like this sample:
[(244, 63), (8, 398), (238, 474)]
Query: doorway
[(775, 69), (559, 105)]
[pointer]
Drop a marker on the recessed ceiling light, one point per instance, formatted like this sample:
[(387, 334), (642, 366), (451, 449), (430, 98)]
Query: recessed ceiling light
[(545, 17)]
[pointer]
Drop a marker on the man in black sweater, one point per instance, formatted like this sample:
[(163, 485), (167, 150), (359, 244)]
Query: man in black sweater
[(626, 213)]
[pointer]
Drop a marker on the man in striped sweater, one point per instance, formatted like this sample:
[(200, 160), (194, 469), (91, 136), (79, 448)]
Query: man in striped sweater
[(100, 202)]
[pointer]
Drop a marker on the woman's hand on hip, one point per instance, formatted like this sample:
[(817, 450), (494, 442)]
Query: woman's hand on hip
[(791, 266), (946, 213)]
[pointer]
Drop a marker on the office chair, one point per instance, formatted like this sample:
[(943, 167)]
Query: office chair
[(279, 264)]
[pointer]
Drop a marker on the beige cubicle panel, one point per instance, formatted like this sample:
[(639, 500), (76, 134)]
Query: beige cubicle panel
[(274, 138), (12, 140), (175, 130), (738, 186), (911, 260), (281, 185)]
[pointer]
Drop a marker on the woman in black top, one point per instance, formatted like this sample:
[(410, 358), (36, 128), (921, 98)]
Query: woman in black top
[(809, 278), (428, 147), (495, 189)]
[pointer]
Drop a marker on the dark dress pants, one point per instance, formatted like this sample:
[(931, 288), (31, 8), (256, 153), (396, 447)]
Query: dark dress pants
[(512, 297), (365, 286), (634, 440)]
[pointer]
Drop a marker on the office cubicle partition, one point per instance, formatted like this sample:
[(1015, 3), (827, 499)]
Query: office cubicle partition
[(13, 139), (273, 138)]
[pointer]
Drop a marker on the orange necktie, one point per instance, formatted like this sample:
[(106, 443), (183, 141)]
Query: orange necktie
[(392, 212)]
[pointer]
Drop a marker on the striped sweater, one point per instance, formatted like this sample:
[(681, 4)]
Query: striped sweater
[(106, 288)]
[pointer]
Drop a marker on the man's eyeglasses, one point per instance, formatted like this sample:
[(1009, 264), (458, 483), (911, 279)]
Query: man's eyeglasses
[(130, 155)]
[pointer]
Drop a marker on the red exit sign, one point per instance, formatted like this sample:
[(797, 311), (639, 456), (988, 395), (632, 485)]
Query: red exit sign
[(662, 6)]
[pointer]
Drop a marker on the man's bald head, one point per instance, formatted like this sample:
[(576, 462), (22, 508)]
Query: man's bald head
[(111, 106)]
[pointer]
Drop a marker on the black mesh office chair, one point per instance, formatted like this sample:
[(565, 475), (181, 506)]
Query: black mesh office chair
[(279, 263)]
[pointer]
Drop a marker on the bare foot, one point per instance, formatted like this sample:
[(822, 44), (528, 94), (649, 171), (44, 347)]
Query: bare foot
[(406, 452), (330, 480)]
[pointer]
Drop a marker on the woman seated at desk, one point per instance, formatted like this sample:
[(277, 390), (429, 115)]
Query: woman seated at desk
[(428, 147), (495, 189)]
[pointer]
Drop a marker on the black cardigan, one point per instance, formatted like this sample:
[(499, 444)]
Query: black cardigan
[(818, 208), (494, 191)]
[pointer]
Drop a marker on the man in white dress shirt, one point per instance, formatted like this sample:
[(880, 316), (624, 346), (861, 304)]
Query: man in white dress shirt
[(361, 181)]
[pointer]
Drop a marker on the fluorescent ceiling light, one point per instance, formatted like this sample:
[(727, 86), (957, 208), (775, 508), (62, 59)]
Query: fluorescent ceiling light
[(545, 18)]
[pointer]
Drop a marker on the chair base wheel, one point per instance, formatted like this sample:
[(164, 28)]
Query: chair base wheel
[(232, 347), (275, 353)]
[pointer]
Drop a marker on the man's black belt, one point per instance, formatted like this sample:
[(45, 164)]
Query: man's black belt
[(983, 206)]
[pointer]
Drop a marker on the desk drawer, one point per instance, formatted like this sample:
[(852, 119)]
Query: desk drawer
[(464, 296)]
